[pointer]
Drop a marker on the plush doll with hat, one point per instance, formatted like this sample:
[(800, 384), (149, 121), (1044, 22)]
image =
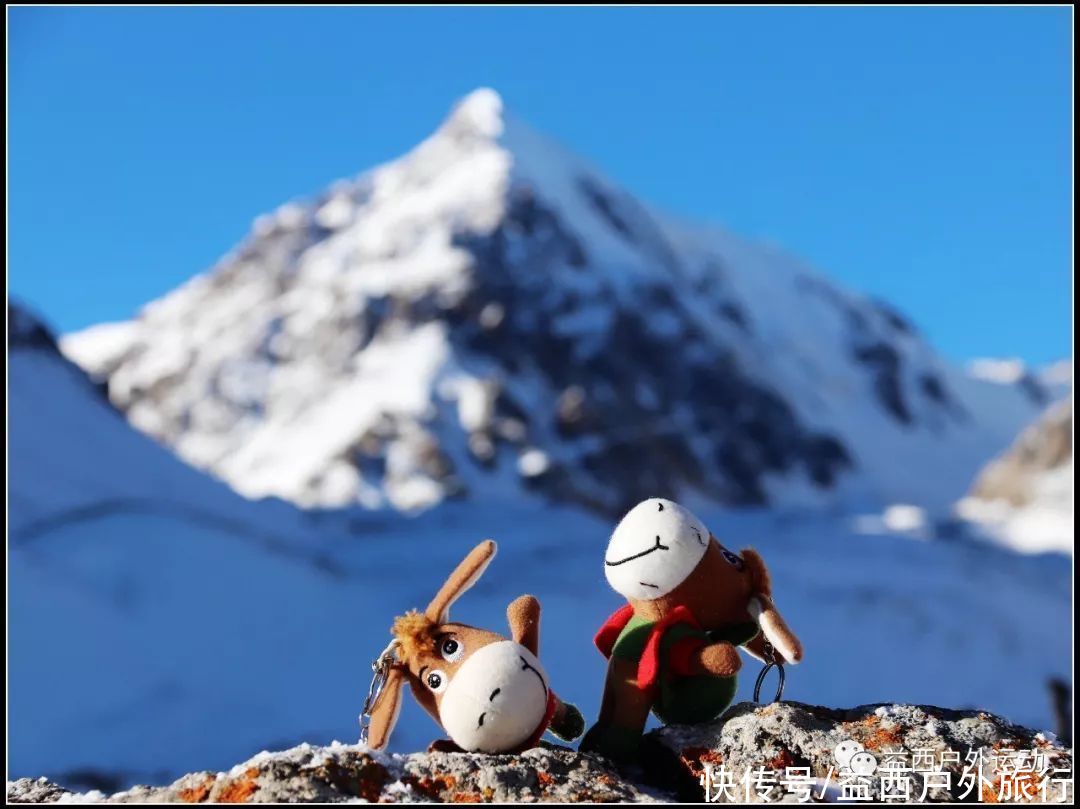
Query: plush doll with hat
[(672, 648), (488, 692)]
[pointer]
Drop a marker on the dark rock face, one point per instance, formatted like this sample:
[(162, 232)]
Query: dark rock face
[(897, 321), (884, 363), (876, 333), (623, 383), (793, 747), (1035, 389), (27, 331)]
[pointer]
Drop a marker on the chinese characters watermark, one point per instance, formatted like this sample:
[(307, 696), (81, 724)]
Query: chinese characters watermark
[(998, 775)]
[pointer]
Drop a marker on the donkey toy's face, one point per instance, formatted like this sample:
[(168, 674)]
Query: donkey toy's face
[(489, 693)]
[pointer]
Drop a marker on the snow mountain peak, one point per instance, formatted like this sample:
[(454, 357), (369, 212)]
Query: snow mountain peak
[(488, 314), (479, 114)]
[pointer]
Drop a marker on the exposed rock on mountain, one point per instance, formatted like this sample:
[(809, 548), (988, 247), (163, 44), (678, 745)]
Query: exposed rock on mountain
[(28, 332), (1025, 497), (1044, 447), (489, 314), (973, 755)]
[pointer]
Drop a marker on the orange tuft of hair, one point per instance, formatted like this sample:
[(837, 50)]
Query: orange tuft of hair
[(415, 634), (759, 574)]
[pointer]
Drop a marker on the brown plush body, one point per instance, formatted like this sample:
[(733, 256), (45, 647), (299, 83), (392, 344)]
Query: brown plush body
[(719, 594), (708, 594)]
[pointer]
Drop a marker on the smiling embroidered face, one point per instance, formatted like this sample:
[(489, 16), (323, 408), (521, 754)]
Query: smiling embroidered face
[(653, 549)]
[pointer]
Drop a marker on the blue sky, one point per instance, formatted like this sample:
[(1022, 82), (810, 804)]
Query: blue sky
[(922, 155)]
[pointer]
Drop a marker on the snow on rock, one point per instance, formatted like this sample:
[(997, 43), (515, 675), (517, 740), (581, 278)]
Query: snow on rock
[(1024, 499), (1004, 371), (407, 336), (340, 773), (1043, 447), (680, 763), (782, 735), (100, 348), (909, 520), (40, 790)]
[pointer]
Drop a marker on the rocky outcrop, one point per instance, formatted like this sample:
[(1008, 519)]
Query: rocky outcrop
[(911, 746), (1043, 447), (28, 333), (35, 790), (934, 754), (1024, 498), (346, 772)]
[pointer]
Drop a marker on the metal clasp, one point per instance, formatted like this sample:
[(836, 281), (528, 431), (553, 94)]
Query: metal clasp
[(770, 662), (381, 668)]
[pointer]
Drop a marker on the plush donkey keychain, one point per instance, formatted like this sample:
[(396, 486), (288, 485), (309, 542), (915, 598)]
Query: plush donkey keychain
[(672, 648), (489, 693)]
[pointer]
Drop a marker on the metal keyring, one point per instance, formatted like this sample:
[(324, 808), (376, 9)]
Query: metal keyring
[(381, 668), (770, 662)]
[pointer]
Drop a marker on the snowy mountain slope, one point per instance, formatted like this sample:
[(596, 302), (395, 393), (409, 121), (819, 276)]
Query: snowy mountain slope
[(146, 641), (111, 459), (76, 460), (123, 565), (489, 313)]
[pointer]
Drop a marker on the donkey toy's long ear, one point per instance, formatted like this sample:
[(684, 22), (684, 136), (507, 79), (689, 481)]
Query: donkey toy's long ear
[(465, 575), (387, 708), (764, 611)]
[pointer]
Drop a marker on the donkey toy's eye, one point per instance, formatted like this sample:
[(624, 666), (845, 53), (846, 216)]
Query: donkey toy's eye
[(451, 649), (436, 681)]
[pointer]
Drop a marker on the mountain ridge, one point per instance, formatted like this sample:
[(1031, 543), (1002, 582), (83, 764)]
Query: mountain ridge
[(488, 314)]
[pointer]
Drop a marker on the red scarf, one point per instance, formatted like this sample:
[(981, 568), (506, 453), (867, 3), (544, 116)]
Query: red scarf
[(648, 671), (534, 740)]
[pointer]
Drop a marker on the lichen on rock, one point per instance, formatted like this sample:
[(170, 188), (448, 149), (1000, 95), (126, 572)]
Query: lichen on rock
[(774, 738), (339, 773), (678, 763)]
